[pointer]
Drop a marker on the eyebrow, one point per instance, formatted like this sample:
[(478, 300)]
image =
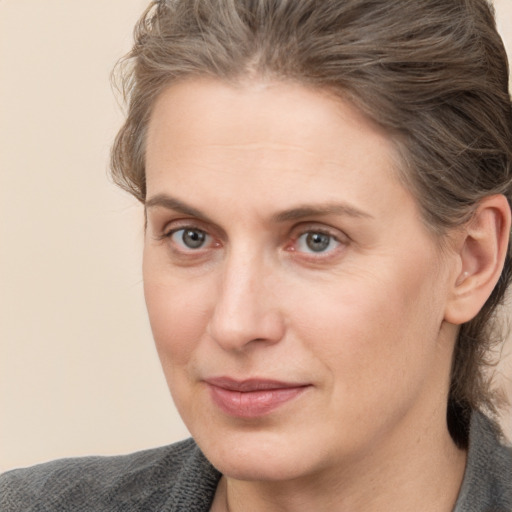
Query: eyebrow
[(292, 214), (322, 210), (171, 203)]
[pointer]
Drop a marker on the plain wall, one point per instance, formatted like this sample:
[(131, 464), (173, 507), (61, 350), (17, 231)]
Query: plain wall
[(78, 371)]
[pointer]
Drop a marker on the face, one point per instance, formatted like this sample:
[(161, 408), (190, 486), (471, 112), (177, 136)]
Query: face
[(296, 297)]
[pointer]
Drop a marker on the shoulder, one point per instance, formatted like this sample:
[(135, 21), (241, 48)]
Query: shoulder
[(157, 479), (487, 484)]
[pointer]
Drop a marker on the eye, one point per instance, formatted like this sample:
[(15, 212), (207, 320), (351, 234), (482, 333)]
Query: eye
[(317, 242), (190, 238)]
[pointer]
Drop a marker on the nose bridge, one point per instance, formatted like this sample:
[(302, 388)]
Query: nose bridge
[(245, 309)]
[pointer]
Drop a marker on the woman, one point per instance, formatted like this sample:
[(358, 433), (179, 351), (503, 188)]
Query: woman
[(327, 191)]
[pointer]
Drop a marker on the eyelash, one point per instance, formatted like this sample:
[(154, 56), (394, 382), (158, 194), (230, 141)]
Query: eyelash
[(289, 247), (170, 234), (314, 232)]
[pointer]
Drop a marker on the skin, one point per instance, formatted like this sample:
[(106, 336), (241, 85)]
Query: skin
[(255, 169)]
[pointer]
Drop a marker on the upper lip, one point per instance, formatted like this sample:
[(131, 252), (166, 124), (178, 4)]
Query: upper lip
[(255, 384)]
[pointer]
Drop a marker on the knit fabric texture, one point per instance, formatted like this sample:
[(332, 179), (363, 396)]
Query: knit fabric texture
[(178, 478), (175, 478), (487, 484)]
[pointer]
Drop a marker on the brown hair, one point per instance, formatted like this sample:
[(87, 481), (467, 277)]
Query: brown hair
[(432, 72)]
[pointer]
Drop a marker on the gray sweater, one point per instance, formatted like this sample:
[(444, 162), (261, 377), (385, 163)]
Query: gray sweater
[(179, 478)]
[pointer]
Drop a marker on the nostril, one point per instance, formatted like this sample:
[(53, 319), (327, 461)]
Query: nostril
[(236, 332)]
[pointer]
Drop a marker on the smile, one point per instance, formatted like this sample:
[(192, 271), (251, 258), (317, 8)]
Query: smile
[(252, 398)]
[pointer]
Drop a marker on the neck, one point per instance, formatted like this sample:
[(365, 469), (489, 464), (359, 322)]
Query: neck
[(421, 472)]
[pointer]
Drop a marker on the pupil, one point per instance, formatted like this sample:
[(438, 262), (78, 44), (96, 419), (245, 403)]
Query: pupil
[(193, 239), (318, 241)]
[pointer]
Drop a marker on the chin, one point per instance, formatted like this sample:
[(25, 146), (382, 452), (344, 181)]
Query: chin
[(259, 467), (260, 456)]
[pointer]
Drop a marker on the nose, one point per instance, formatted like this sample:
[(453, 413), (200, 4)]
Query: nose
[(247, 309)]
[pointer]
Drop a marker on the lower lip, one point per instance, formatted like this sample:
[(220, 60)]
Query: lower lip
[(251, 404)]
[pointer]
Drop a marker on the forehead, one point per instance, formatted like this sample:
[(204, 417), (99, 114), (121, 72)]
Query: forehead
[(273, 110), (274, 138)]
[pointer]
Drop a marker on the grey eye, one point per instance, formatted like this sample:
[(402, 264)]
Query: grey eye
[(190, 238), (316, 241)]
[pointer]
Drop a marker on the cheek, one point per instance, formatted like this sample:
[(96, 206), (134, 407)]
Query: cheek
[(178, 314), (374, 325)]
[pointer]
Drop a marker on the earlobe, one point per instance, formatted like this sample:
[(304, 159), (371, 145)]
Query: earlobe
[(481, 252)]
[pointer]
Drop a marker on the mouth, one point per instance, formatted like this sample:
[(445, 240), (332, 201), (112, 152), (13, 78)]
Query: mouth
[(252, 398)]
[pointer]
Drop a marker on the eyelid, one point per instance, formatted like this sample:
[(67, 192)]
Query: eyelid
[(339, 236), (216, 240), (166, 235), (170, 227), (182, 246), (315, 227)]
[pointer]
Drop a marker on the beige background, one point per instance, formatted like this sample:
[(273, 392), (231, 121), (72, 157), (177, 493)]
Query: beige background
[(78, 371)]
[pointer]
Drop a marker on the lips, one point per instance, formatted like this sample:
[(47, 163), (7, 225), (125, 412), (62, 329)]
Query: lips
[(252, 398)]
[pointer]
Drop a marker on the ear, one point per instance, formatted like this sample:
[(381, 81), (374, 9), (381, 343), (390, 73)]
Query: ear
[(481, 251)]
